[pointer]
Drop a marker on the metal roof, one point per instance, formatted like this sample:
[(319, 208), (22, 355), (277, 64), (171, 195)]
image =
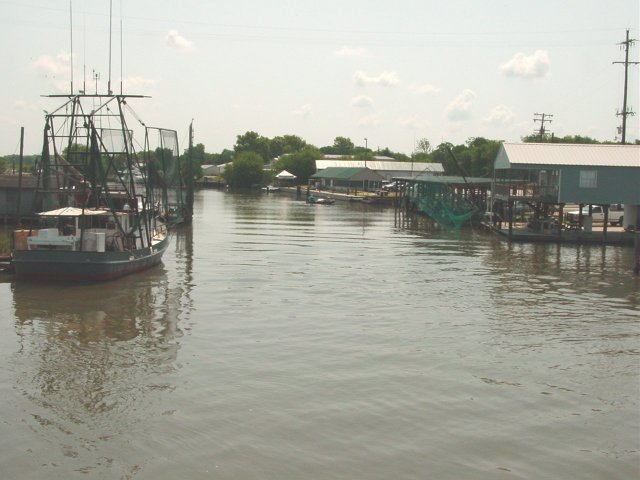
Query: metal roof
[(283, 175), (382, 166), (329, 156), (449, 180), (542, 154), (348, 173)]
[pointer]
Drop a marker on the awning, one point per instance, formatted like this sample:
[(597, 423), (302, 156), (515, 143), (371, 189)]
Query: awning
[(73, 212), (284, 175)]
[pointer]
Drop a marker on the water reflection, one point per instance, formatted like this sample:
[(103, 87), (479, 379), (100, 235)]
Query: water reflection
[(563, 293), (94, 362), (88, 343), (585, 268)]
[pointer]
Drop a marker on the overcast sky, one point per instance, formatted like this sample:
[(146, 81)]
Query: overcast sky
[(388, 71)]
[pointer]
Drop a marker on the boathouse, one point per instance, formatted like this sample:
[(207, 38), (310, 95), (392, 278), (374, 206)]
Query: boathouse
[(450, 201), (547, 177), (345, 179)]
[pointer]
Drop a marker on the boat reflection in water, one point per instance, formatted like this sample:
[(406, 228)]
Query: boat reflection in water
[(92, 366)]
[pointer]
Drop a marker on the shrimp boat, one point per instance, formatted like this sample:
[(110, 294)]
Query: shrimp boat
[(100, 204)]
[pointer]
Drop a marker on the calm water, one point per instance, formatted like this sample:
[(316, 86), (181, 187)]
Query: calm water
[(286, 341)]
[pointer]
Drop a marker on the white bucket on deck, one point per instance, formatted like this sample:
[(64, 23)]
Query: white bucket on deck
[(100, 241)]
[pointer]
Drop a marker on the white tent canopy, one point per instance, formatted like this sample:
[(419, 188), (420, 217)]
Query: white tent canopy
[(284, 175)]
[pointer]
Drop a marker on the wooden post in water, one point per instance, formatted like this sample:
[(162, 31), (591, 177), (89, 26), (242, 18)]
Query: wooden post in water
[(188, 214), (19, 197), (637, 267), (510, 210)]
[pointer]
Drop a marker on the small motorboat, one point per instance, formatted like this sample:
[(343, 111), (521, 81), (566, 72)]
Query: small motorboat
[(320, 200)]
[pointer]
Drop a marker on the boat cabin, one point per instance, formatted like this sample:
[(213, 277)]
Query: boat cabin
[(75, 229)]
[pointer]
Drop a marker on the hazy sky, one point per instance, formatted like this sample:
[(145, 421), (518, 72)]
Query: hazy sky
[(388, 71)]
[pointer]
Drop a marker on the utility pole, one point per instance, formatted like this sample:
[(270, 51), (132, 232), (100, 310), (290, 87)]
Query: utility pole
[(625, 113), (18, 206), (542, 117), (366, 149)]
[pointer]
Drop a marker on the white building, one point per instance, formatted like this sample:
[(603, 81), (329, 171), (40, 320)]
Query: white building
[(385, 166)]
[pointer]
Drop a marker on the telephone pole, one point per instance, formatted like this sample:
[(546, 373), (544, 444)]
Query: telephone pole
[(625, 113), (542, 117)]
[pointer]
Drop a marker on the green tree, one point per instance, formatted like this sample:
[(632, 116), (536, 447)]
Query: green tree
[(475, 158), (13, 162), (343, 146), (301, 163), (286, 144), (423, 146), (252, 142), (395, 155), (226, 156), (579, 139), (245, 171), (441, 155), (196, 166), (200, 156)]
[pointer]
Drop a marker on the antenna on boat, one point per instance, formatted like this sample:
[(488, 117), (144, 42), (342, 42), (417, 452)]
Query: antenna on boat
[(121, 74), (71, 30), (110, 18), (96, 77)]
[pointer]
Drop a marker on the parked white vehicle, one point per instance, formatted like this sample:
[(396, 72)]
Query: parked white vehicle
[(616, 214)]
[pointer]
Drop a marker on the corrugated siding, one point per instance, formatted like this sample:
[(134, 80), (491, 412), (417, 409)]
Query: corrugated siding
[(569, 154), (348, 174)]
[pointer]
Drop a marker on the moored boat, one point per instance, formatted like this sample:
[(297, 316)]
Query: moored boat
[(101, 206), (312, 199)]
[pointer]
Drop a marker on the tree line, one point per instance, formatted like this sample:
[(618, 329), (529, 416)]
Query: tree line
[(252, 152)]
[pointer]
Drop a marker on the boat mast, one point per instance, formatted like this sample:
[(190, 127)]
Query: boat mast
[(121, 61), (110, 30), (71, 34)]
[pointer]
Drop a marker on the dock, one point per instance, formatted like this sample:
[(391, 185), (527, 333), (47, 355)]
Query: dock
[(355, 196), (597, 236)]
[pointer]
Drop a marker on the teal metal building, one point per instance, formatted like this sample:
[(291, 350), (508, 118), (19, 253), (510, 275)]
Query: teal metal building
[(343, 179), (570, 173), (550, 176)]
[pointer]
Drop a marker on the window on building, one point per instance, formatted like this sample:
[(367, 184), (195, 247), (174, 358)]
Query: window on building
[(588, 179)]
